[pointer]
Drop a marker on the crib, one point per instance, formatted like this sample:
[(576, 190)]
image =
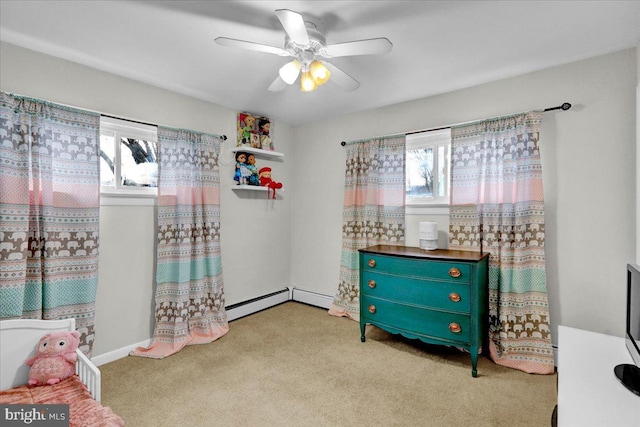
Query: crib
[(18, 341)]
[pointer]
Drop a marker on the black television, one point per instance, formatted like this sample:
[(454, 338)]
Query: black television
[(629, 374)]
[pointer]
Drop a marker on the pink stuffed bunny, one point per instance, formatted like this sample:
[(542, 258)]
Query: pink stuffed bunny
[(56, 358)]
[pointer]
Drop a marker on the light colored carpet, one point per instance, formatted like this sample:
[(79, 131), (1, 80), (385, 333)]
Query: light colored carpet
[(294, 365)]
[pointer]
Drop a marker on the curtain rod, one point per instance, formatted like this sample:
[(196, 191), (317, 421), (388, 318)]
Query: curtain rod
[(224, 137), (565, 106)]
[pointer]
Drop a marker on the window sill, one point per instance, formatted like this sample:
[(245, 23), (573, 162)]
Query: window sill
[(124, 199), (434, 209)]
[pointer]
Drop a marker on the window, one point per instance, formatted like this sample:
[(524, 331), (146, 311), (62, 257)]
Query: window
[(128, 158), (427, 167)]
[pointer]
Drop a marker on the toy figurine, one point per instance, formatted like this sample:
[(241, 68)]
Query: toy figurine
[(246, 129), (264, 126), (266, 181), (242, 170), (251, 165)]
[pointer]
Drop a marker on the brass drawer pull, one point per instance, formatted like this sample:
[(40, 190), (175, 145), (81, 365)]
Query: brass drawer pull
[(454, 297), (454, 327), (455, 272), (372, 309), (372, 263), (372, 284)]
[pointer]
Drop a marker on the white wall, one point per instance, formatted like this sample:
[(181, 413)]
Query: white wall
[(588, 158), (254, 239), (638, 157)]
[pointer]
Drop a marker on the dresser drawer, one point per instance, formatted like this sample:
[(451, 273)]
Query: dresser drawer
[(444, 295), (415, 319), (439, 270)]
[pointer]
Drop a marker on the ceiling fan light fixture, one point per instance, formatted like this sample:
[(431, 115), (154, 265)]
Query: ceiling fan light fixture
[(306, 82), (289, 71), (319, 72), (307, 47)]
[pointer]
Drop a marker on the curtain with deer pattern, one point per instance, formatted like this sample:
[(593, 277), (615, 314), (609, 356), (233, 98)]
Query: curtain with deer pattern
[(373, 210), (497, 206), (49, 212), (189, 297)]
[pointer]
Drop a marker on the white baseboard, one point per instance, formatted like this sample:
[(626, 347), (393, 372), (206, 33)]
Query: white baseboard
[(311, 298), (119, 353)]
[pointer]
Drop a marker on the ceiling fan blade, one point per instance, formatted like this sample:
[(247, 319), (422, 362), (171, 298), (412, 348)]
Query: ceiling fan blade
[(342, 79), (243, 44), (277, 85), (293, 24), (360, 47)]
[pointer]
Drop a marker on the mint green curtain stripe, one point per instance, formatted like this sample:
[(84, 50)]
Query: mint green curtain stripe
[(187, 270), (57, 293), (519, 280), (350, 259), (49, 212), (16, 301)]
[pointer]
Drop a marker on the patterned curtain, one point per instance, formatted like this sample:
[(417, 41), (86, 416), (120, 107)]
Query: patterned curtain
[(49, 210), (497, 206), (373, 211), (189, 293)]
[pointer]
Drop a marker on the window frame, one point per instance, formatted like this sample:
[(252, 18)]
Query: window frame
[(431, 139), (118, 128)]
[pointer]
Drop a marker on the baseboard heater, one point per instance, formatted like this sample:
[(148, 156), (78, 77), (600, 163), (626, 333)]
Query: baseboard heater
[(311, 298), (245, 308)]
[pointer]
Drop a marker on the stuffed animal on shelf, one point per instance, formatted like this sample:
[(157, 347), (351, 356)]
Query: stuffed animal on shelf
[(55, 359), (264, 175)]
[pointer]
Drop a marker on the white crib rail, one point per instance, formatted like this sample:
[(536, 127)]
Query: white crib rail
[(89, 375)]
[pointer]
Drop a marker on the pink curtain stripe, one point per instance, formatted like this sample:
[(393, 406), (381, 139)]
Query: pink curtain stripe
[(530, 189), (381, 197), (192, 196), (173, 344)]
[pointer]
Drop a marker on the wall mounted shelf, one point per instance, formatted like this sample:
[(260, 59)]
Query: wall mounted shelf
[(267, 154), (258, 152), (252, 188)]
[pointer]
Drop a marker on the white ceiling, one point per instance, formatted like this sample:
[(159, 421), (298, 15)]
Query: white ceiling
[(438, 46)]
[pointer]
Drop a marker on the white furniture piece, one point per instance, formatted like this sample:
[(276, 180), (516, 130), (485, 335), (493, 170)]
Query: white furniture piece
[(19, 341), (589, 394)]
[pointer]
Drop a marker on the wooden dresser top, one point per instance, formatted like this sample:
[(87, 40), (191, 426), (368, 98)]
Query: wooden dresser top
[(413, 252)]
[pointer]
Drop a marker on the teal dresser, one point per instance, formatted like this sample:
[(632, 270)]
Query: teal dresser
[(439, 297)]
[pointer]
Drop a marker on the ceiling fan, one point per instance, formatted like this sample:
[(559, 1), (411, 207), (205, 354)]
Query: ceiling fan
[(309, 50)]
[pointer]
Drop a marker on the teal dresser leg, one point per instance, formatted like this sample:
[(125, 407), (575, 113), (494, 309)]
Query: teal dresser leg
[(362, 327), (474, 361)]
